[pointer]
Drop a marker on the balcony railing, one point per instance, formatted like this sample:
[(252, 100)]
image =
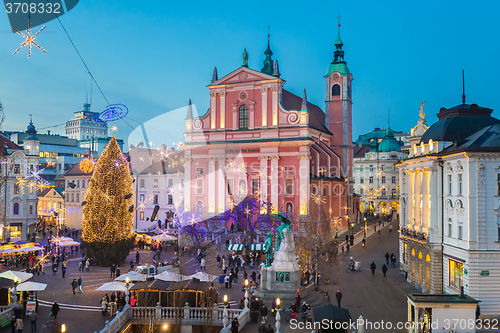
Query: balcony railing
[(412, 234)]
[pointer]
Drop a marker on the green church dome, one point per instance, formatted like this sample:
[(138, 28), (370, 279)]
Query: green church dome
[(389, 142)]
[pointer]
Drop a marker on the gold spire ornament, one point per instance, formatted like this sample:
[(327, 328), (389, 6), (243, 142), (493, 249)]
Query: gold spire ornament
[(29, 39)]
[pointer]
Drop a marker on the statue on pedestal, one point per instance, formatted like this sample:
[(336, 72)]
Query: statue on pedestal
[(285, 224), (269, 250)]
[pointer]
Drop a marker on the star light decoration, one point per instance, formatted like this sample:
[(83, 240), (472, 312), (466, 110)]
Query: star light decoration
[(114, 128), (29, 39)]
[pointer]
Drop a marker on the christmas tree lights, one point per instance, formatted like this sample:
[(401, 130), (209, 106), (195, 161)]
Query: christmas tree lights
[(107, 225)]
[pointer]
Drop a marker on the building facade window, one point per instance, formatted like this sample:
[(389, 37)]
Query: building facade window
[(382, 168), (450, 229), (371, 180), (393, 180), (383, 180), (456, 273), (336, 90), (199, 208), (199, 187), (325, 192), (393, 193), (371, 167), (17, 168), (142, 216), (383, 192), (16, 188), (405, 253), (361, 168), (460, 232), (170, 199), (83, 183), (362, 191), (243, 117), (289, 186), (242, 188), (78, 183), (31, 209), (72, 197), (255, 186), (449, 185), (170, 183), (361, 180), (141, 197), (155, 199), (155, 183), (16, 209), (289, 210), (78, 197), (141, 183), (459, 184)]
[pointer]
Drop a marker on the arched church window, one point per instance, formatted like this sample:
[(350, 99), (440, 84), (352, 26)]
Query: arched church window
[(289, 210), (16, 209), (336, 90), (243, 116), (199, 208), (325, 192)]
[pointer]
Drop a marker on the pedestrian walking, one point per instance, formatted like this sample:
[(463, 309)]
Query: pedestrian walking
[(19, 325), (112, 270), (202, 263), (269, 329), (104, 306), (54, 310), (131, 265), (118, 272), (338, 296), (63, 270), (327, 299), (393, 260), (235, 325), (80, 265), (342, 249), (80, 282), (33, 318), (74, 285), (390, 227), (263, 312), (373, 267), (226, 281), (387, 256), (384, 269), (41, 267)]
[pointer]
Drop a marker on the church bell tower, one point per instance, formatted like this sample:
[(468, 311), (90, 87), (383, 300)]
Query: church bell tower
[(338, 107)]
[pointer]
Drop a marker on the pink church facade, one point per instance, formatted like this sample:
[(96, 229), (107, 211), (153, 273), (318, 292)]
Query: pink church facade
[(262, 143)]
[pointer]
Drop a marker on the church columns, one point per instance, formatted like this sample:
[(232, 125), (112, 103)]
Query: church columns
[(187, 184), (221, 186), (274, 183), (211, 186), (425, 196), (275, 105), (263, 178), (213, 109), (251, 115), (222, 103), (235, 115), (264, 106), (411, 197), (303, 173), (418, 197), (433, 216)]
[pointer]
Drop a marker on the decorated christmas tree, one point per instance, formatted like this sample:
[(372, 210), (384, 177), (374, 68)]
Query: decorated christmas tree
[(107, 225)]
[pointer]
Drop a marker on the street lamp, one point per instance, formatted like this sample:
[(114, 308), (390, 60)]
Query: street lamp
[(127, 281), (165, 326), (278, 316), (365, 227), (63, 328), (225, 313), (246, 293)]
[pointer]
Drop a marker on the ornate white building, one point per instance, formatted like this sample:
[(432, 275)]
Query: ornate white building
[(17, 193), (376, 178), (450, 207)]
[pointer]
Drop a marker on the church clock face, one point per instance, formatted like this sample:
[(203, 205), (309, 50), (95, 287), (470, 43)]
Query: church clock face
[(243, 95), (336, 77)]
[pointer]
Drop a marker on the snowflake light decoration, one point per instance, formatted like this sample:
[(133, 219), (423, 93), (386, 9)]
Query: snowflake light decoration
[(29, 39)]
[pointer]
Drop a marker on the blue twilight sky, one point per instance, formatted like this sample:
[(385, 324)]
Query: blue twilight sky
[(153, 56)]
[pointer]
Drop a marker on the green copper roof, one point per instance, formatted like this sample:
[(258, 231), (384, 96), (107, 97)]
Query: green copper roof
[(389, 143), (268, 62), (340, 67)]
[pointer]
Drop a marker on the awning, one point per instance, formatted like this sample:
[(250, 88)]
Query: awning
[(235, 247), (257, 247)]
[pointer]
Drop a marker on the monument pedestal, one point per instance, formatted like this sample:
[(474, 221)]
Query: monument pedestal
[(282, 278)]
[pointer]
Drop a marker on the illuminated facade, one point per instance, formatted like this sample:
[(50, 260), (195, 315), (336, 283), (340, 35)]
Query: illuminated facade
[(450, 207), (262, 143)]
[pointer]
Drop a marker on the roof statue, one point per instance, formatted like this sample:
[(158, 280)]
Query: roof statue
[(245, 58), (421, 113)]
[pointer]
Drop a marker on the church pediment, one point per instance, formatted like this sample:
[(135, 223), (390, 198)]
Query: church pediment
[(243, 74)]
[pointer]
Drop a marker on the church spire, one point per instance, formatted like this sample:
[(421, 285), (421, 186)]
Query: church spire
[(304, 101), (190, 108), (215, 77), (338, 55), (268, 62), (276, 71)]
